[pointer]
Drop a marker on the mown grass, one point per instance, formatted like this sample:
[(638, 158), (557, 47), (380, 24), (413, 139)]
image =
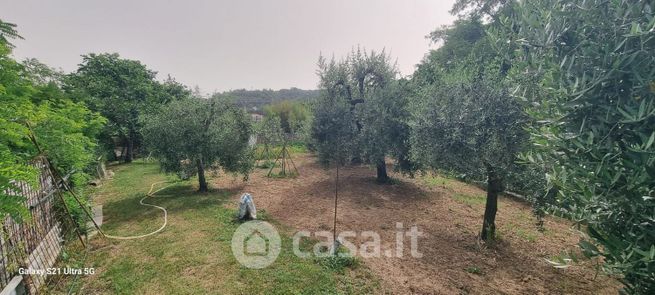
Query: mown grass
[(527, 234), (438, 180), (470, 200), (478, 201), (193, 255)]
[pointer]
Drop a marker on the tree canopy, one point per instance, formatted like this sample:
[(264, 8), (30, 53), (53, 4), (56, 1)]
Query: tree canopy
[(586, 70), (65, 129), (121, 90), (191, 135), (464, 119), (7, 32), (359, 92), (576, 77)]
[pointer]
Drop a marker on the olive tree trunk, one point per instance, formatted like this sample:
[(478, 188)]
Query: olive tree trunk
[(494, 187), (202, 182), (381, 168)]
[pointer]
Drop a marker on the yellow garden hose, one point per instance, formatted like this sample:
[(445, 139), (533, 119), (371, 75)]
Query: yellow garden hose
[(149, 194)]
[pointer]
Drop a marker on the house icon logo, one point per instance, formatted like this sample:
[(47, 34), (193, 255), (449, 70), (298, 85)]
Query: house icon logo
[(256, 244)]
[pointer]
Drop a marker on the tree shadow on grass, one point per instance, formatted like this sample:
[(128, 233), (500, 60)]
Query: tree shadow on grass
[(175, 198)]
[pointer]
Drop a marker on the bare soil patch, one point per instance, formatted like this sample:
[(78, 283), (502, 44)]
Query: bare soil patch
[(449, 214)]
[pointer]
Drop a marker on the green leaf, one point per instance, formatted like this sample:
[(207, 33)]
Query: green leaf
[(650, 141), (589, 249)]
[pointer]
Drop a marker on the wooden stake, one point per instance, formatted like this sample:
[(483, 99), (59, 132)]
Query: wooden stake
[(271, 170), (336, 197)]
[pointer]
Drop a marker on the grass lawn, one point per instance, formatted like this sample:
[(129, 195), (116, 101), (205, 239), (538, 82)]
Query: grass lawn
[(193, 255)]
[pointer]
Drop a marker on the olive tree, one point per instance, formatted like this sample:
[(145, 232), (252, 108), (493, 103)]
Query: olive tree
[(385, 129), (361, 93), (464, 119), (472, 127), (191, 135), (586, 69)]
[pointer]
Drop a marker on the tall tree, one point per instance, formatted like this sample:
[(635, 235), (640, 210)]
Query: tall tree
[(192, 135), (65, 129), (120, 89)]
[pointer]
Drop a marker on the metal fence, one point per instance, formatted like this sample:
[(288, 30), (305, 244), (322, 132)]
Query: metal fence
[(34, 243)]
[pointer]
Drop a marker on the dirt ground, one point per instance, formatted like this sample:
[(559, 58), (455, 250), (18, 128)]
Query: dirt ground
[(449, 214)]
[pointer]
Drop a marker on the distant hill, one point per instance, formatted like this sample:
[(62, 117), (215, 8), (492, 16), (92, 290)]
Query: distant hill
[(259, 98)]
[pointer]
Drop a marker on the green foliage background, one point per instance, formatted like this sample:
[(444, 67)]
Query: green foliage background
[(65, 130)]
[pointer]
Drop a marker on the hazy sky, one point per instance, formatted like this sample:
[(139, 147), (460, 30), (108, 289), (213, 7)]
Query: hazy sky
[(222, 45)]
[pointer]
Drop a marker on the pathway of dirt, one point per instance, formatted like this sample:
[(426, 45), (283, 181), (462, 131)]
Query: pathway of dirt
[(449, 215)]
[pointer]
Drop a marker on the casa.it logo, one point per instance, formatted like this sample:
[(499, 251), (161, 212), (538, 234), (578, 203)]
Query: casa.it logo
[(256, 244)]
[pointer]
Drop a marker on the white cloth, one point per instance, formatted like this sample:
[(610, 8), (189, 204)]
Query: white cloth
[(247, 208)]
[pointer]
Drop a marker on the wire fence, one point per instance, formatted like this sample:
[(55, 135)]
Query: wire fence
[(34, 244)]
